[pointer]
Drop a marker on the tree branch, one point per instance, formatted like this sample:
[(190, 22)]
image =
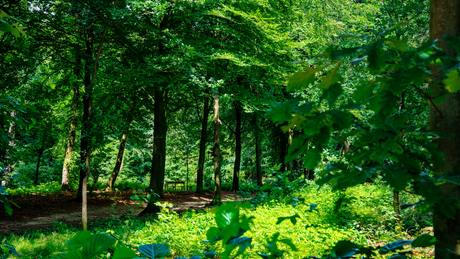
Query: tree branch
[(429, 99)]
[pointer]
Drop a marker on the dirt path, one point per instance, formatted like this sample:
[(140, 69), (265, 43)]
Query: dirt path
[(42, 211)]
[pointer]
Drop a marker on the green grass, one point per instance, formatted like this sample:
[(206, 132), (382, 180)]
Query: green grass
[(367, 219)]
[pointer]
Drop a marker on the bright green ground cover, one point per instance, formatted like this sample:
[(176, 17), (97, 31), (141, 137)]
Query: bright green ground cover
[(367, 218)]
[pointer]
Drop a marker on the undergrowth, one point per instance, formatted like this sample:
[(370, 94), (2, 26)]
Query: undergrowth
[(366, 217)]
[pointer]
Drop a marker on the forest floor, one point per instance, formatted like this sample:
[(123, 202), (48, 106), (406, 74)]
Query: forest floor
[(38, 211)]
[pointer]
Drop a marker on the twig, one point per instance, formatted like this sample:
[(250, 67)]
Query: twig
[(429, 99)]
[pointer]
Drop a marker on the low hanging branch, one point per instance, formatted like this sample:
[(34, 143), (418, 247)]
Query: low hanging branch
[(429, 99)]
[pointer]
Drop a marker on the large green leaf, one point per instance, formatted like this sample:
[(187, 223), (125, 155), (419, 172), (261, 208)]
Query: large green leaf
[(398, 44), (154, 250), (312, 159), (124, 253), (79, 240), (74, 254), (298, 147), (97, 244), (452, 82), (394, 246), (301, 80), (344, 249), (331, 78), (424, 241)]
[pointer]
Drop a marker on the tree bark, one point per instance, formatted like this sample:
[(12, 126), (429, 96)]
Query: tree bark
[(258, 151), (283, 144), (216, 153), (202, 155), (157, 171), (40, 153), (445, 20), (72, 134), (118, 163), (85, 146), (236, 167)]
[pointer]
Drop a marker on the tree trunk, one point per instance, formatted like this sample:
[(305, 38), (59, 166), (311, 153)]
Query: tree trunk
[(216, 153), (157, 172), (445, 20), (283, 144), (236, 167), (71, 142), (258, 151), (118, 163), (40, 153), (85, 147), (202, 155)]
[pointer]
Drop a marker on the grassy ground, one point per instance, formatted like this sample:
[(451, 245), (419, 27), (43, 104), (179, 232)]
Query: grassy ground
[(366, 217)]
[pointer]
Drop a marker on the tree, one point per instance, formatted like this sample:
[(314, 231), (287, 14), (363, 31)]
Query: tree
[(444, 117), (387, 142)]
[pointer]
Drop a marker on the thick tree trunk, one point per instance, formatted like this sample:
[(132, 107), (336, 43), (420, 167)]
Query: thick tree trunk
[(258, 151), (71, 141), (445, 20), (202, 155), (118, 163), (236, 167), (216, 153), (157, 172)]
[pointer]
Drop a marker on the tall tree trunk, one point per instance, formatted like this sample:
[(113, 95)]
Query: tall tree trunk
[(157, 172), (118, 163), (258, 151), (216, 153), (202, 155), (72, 134), (40, 153), (85, 146), (236, 167), (445, 20)]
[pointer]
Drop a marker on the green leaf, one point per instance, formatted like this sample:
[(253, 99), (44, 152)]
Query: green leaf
[(312, 158), (424, 241), (74, 254), (332, 94), (298, 147), (301, 80), (331, 78), (394, 246), (212, 235), (97, 244), (124, 253), (279, 112), (397, 178), (452, 82), (292, 218), (210, 254), (344, 249), (59, 256), (288, 242), (79, 240), (154, 250), (398, 44), (312, 207), (226, 214), (453, 41), (377, 57)]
